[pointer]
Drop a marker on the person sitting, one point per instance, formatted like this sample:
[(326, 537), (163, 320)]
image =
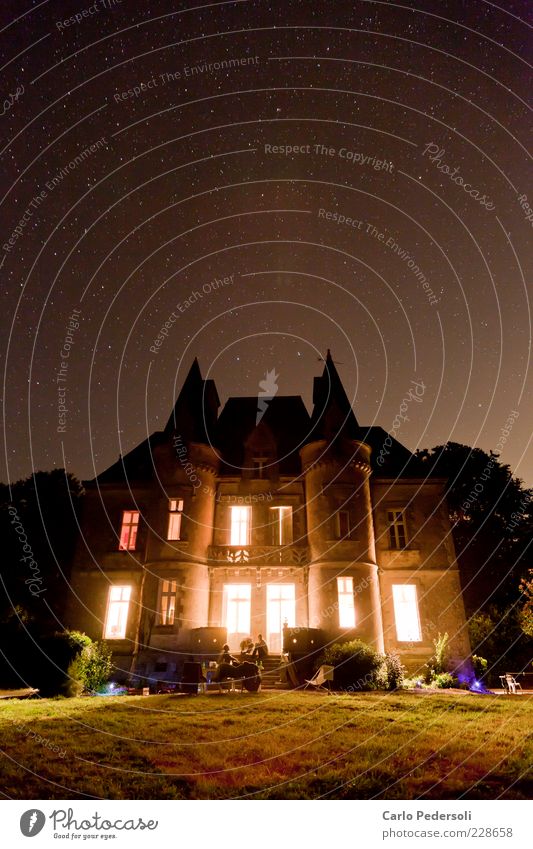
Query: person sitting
[(260, 649), (225, 663), (247, 647)]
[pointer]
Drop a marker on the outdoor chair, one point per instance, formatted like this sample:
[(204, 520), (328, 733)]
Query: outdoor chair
[(512, 684), (321, 678)]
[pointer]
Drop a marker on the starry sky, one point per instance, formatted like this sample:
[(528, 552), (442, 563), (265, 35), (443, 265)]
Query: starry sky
[(253, 182)]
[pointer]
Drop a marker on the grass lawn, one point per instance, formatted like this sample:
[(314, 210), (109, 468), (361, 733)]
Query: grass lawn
[(270, 745)]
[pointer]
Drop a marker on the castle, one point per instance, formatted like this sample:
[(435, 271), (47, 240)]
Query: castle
[(265, 519)]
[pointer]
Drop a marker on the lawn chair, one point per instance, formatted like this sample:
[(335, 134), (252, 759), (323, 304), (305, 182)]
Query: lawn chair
[(512, 684), (321, 677)]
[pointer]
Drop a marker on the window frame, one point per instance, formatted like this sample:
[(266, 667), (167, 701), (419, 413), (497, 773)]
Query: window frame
[(394, 525), (132, 528), (111, 604), (408, 637), (343, 593), (168, 594), (343, 511), (234, 525), (175, 518), (282, 525)]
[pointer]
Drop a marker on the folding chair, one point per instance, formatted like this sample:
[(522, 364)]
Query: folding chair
[(324, 674)]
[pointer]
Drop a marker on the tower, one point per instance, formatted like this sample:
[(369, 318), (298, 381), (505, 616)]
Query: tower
[(344, 596)]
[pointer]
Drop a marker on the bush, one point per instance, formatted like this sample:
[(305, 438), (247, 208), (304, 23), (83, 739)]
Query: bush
[(91, 668), (438, 663), (51, 673), (443, 681), (392, 672), (480, 665), (356, 665)]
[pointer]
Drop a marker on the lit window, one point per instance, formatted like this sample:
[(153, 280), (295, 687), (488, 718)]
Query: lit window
[(128, 530), (346, 603), (406, 613), (240, 525), (175, 512), (237, 605), (117, 613), (167, 602), (397, 531), (281, 525), (343, 529)]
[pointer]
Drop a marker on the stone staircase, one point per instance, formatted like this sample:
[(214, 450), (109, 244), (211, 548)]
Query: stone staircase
[(270, 676)]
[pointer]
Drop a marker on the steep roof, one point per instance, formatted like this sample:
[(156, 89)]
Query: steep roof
[(332, 414), (284, 425)]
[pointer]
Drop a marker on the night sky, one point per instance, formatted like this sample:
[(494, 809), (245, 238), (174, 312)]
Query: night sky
[(150, 150)]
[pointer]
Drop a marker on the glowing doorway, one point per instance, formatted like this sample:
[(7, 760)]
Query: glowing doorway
[(281, 607), (236, 614)]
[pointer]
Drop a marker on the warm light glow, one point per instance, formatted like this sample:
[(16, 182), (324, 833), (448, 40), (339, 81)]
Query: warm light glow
[(167, 604), (346, 603), (281, 608), (240, 525), (117, 613), (175, 510), (281, 525), (237, 604), (128, 530), (406, 613)]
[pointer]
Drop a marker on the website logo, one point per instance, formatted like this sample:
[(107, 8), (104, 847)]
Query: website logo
[(267, 390), (32, 822)]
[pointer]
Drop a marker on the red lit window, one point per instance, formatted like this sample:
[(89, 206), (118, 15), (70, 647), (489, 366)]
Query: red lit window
[(128, 530)]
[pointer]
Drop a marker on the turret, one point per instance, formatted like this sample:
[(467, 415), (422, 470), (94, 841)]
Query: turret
[(343, 585)]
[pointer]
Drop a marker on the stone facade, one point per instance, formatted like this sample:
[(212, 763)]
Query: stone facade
[(288, 521)]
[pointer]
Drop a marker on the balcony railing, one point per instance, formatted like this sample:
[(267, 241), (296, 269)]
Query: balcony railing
[(260, 554)]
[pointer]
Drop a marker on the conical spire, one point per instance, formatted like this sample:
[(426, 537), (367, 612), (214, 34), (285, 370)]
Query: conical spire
[(195, 410), (332, 412)]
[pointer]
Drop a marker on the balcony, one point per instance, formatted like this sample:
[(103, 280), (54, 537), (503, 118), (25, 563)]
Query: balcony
[(260, 555)]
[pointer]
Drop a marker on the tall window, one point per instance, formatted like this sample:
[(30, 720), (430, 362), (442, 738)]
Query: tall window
[(343, 528), (237, 604), (117, 613), (346, 603), (397, 530), (281, 525), (128, 530), (167, 602), (175, 512), (406, 613), (240, 525)]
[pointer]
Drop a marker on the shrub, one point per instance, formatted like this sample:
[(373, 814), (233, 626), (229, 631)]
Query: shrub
[(443, 681), (51, 673), (480, 665), (91, 668), (392, 672), (356, 665), (438, 663)]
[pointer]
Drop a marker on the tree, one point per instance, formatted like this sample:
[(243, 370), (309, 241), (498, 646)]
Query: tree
[(492, 520), (526, 612), (38, 521)]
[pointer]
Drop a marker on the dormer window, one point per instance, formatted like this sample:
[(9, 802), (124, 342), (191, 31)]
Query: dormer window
[(260, 467)]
